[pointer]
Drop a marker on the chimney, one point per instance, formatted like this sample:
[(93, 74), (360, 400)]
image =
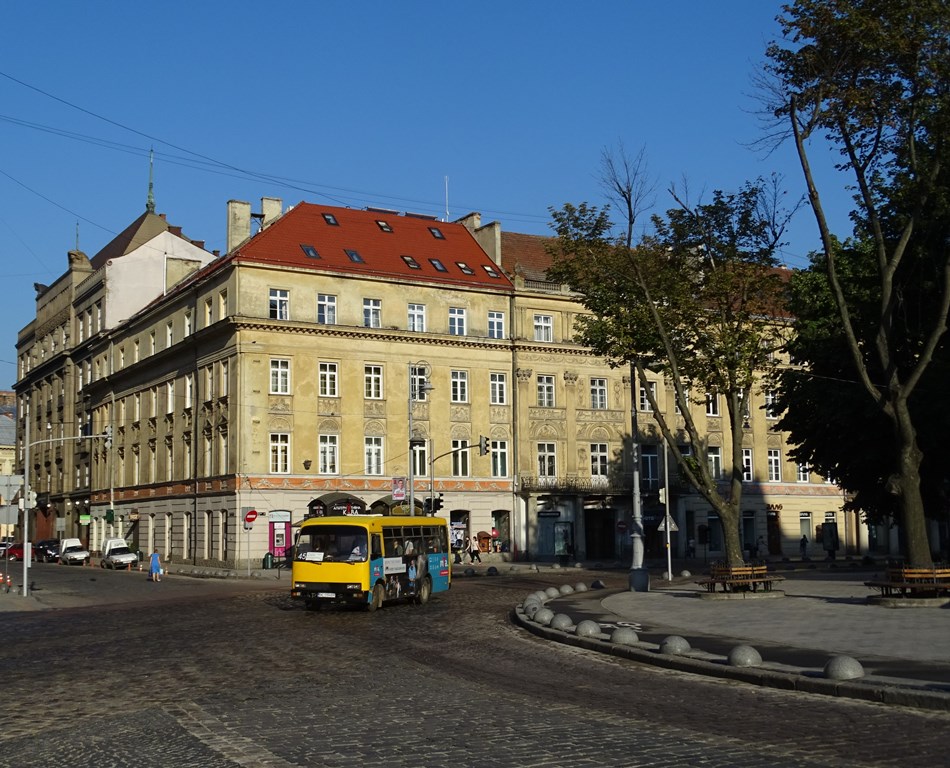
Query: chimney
[(270, 210), (239, 223)]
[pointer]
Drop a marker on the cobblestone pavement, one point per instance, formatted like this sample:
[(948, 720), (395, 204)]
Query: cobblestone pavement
[(252, 679)]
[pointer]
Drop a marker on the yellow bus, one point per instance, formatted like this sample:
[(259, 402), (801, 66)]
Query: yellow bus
[(370, 559)]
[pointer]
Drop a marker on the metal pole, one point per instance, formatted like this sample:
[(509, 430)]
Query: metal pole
[(639, 577), (412, 479), (666, 504), (26, 502)]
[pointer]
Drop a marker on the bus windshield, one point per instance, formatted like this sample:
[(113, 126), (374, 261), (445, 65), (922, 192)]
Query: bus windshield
[(332, 543)]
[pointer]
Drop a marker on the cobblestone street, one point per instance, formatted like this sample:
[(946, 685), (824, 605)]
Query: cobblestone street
[(252, 679)]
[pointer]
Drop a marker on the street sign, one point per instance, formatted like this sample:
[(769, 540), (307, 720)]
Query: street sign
[(667, 521), (250, 516), (621, 526)]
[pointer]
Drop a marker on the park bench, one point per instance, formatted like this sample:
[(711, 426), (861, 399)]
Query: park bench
[(908, 581), (739, 578)]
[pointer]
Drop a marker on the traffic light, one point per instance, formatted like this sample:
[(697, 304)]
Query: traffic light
[(107, 434), (482, 445), (427, 506), (31, 500), (436, 503)]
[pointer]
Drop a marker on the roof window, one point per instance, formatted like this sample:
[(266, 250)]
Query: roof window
[(411, 262), (437, 233), (330, 219), (310, 251), (354, 256), (492, 272), (438, 265), (383, 225), (465, 267)]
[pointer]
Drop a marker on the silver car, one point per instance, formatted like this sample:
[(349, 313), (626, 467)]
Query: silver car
[(72, 554), (120, 557)]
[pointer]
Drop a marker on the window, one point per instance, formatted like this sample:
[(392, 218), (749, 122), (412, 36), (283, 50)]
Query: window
[(598, 394), (714, 456), (420, 460), (499, 458), (209, 383), (222, 305), (279, 377), (411, 262), (151, 342), (437, 233), (804, 473), (456, 321), (545, 391), (712, 404), (353, 256), (170, 397), (490, 270), (224, 378), (326, 309), (459, 387), (279, 453), (466, 269), (543, 328), (137, 407), (598, 460), (209, 312), (189, 391), (417, 317), (384, 226), (169, 334), (373, 452), (498, 388), (438, 265), (373, 382), (496, 325), (650, 466), (279, 304), (771, 411), (418, 379), (747, 476), (310, 251), (460, 458), (328, 380), (330, 219), (775, 465), (644, 399), (135, 351), (547, 465), (189, 324), (372, 313), (328, 449)]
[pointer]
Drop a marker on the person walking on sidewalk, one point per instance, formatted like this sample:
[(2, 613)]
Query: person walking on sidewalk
[(473, 551), (155, 567)]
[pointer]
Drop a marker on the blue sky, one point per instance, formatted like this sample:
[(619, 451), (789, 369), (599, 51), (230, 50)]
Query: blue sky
[(359, 104)]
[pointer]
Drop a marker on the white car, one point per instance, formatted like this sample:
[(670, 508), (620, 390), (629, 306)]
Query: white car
[(119, 557), (73, 552)]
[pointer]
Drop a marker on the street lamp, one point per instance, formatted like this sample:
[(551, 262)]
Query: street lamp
[(423, 388), (639, 577)]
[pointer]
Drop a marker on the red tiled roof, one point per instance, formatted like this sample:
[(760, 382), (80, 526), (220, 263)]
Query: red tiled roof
[(525, 255), (283, 242)]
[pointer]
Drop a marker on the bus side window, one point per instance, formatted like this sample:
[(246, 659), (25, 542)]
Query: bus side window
[(377, 550)]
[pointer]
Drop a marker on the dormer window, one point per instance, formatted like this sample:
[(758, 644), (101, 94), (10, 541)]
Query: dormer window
[(310, 251), (354, 256), (330, 219), (438, 265), (383, 225), (437, 233), (411, 262), (465, 268)]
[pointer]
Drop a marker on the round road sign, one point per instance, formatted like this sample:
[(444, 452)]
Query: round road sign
[(250, 516)]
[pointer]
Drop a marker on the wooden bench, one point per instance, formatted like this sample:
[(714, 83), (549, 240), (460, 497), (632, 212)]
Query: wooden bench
[(908, 581), (739, 578)]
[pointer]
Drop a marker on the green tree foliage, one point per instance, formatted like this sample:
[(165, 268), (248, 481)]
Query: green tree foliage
[(697, 302), (872, 77)]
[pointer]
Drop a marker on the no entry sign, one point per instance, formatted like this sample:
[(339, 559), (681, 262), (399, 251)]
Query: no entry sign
[(250, 516)]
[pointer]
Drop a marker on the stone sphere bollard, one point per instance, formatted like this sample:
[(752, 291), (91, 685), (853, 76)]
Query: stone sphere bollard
[(685, 574), (843, 668), (469, 571), (744, 656), (492, 571), (565, 589), (561, 621), (624, 636), (580, 587), (530, 609), (598, 584), (674, 645), (587, 628), (552, 592), (543, 616), (541, 595)]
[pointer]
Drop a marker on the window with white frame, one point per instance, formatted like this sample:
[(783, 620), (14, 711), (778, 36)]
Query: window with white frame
[(676, 402), (499, 458), (712, 403), (598, 394), (279, 306), (373, 382), (456, 321), (418, 378), (714, 457), (279, 453), (326, 309), (419, 456), (545, 391), (373, 453), (279, 377), (372, 313), (498, 388), (543, 328), (328, 380), (804, 473), (547, 460), (650, 466), (329, 448), (599, 460), (771, 409), (747, 475), (417, 317), (496, 325), (644, 399), (775, 465), (460, 458), (459, 391)]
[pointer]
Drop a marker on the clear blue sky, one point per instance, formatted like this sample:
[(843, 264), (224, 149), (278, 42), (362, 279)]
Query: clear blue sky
[(361, 103)]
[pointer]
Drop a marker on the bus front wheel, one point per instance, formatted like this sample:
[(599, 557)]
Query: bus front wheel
[(379, 594), (425, 591)]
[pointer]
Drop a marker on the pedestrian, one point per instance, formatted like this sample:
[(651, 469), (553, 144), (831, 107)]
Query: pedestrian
[(760, 548), (473, 550), (155, 567), (691, 548), (803, 546)]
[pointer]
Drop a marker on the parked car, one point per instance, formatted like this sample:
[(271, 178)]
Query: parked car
[(117, 555), (15, 551), (72, 552), (47, 550), (4, 545)]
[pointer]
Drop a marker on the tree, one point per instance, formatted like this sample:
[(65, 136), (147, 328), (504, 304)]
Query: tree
[(873, 78), (696, 302)]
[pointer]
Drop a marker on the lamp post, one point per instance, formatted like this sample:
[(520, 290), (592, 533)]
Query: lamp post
[(424, 388), (639, 577)]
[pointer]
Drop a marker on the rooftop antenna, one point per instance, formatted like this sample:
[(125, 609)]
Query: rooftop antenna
[(446, 199), (150, 203)]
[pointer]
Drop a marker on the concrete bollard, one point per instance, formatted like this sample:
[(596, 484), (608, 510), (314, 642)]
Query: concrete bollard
[(744, 656)]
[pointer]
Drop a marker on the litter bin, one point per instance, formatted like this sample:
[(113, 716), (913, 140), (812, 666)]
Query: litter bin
[(268, 561)]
